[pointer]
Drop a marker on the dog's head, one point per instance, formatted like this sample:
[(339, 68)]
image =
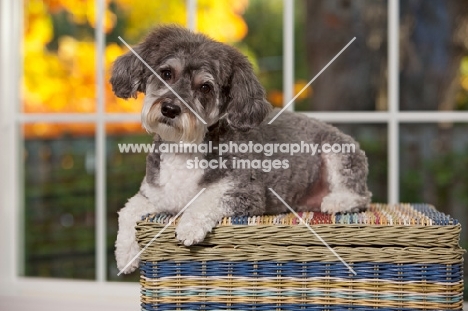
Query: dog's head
[(213, 79)]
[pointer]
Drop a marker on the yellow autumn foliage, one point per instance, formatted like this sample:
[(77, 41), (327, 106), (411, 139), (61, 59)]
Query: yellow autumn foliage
[(62, 79)]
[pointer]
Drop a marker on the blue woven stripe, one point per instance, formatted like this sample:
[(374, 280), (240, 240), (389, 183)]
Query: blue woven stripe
[(364, 270), (261, 307)]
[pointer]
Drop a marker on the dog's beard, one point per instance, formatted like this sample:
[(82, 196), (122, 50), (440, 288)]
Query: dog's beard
[(185, 127)]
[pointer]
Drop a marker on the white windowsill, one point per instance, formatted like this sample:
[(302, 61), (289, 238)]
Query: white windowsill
[(43, 294)]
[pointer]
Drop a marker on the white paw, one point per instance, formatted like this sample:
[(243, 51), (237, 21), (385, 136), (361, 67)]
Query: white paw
[(126, 248), (190, 231), (342, 202)]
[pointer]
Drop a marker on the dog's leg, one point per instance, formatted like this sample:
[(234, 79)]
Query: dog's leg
[(221, 199), (203, 214), (126, 246), (347, 180)]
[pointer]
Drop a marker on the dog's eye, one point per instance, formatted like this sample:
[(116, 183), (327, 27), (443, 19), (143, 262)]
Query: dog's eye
[(205, 88), (166, 75)]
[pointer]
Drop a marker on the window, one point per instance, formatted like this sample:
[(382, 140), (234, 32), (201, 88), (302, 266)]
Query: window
[(401, 89)]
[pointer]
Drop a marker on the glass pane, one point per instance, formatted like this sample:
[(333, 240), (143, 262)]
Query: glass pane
[(433, 163), (434, 55), (357, 79), (134, 18), (263, 44), (372, 138), (58, 57), (225, 20), (125, 171), (59, 219)]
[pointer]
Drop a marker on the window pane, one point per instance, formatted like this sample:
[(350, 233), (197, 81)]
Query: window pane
[(254, 27), (58, 57), (263, 44), (372, 138), (59, 223), (132, 22), (434, 55), (125, 171), (433, 163), (356, 80)]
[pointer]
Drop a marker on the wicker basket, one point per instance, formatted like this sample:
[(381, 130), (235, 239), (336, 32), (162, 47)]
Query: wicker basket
[(406, 257)]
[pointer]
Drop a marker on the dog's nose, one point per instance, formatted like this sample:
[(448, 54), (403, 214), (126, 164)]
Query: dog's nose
[(170, 110)]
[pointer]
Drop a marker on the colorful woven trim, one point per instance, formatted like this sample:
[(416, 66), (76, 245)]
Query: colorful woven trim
[(402, 225), (299, 286), (377, 214)]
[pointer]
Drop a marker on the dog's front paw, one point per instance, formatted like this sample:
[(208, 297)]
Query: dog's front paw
[(190, 232), (126, 248)]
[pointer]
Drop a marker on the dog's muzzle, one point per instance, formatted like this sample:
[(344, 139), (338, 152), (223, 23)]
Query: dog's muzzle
[(170, 110)]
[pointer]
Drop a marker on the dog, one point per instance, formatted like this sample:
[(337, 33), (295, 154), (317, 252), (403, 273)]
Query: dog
[(204, 80)]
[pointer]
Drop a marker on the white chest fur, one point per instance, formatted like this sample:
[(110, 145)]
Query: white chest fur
[(177, 183)]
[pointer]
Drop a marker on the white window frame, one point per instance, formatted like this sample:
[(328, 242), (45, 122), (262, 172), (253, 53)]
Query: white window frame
[(11, 165)]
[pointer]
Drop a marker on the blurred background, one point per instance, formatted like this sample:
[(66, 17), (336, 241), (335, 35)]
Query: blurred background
[(59, 77)]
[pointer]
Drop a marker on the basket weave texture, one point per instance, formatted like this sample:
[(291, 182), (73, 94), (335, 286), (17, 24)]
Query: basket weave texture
[(406, 257)]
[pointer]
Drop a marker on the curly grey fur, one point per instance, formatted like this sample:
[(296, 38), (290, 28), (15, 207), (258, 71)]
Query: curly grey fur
[(236, 110)]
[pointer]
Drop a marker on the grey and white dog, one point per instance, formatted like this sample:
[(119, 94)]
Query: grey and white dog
[(218, 83)]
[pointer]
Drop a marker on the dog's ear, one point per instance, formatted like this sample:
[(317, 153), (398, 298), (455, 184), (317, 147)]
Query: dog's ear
[(247, 106), (129, 75)]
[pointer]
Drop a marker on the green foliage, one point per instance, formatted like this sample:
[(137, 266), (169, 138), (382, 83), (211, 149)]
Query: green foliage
[(448, 174), (59, 212), (265, 40), (54, 192)]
